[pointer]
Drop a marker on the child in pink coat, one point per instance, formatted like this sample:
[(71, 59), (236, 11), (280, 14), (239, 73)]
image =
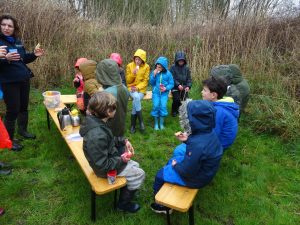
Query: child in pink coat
[(79, 84)]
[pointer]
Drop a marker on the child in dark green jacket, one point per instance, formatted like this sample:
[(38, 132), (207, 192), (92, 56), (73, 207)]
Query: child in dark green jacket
[(100, 150)]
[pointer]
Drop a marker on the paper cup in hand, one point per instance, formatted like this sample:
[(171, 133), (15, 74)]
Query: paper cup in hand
[(13, 50), (111, 176)]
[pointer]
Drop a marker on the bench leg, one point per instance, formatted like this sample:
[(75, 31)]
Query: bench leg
[(48, 119), (168, 218), (93, 205), (191, 215)]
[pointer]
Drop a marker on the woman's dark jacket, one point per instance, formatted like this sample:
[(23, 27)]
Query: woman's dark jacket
[(181, 74), (14, 71)]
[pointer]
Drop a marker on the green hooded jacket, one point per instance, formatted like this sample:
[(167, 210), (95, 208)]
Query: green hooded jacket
[(238, 88), (107, 74)]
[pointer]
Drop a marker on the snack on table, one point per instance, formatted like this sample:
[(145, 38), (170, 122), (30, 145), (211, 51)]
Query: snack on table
[(51, 99)]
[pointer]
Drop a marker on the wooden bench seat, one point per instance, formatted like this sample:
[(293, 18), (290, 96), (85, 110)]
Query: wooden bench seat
[(99, 186), (178, 198)]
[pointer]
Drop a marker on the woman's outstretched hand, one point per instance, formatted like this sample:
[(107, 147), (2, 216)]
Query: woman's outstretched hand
[(39, 52)]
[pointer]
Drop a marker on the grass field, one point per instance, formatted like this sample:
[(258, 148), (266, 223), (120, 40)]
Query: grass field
[(258, 181)]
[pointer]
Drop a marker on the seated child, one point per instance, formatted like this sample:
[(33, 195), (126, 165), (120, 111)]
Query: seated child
[(226, 115), (78, 84), (238, 87), (118, 59), (182, 81), (162, 82), (91, 86), (137, 77), (203, 154), (101, 153)]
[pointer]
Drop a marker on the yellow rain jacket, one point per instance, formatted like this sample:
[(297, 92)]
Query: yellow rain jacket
[(141, 78)]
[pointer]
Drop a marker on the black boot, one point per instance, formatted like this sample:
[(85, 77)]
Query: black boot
[(10, 127), (22, 126), (140, 117), (5, 172), (133, 123), (125, 204)]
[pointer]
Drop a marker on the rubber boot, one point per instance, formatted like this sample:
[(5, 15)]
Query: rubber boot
[(156, 123), (140, 117), (161, 123), (22, 126), (10, 127), (125, 204), (133, 123)]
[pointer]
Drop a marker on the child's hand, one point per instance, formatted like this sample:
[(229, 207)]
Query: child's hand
[(128, 147), (180, 88), (181, 136), (187, 89), (133, 89), (174, 162), (156, 72), (162, 88), (125, 158), (136, 69)]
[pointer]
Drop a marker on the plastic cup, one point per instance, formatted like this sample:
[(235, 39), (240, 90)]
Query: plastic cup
[(111, 176), (13, 50)]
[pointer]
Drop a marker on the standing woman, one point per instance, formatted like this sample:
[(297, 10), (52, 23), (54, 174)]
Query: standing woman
[(15, 79)]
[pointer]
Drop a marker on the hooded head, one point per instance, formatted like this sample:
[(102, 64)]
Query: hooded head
[(201, 116), (236, 74), (117, 58), (107, 73), (180, 55), (162, 61), (88, 69), (79, 61), (221, 71), (140, 53)]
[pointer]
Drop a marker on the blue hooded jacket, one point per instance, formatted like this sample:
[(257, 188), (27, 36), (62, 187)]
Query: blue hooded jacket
[(164, 77), (203, 149), (226, 122)]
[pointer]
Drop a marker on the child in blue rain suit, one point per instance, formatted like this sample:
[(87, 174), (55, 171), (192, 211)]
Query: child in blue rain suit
[(162, 82)]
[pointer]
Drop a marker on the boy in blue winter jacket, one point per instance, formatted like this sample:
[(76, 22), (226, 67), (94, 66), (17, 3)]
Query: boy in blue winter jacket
[(227, 113), (162, 82), (203, 154)]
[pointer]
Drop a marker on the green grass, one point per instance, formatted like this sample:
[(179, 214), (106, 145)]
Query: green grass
[(258, 181)]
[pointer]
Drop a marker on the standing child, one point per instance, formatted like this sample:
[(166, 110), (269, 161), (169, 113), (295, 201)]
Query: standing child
[(203, 154), (118, 59), (101, 153), (182, 81), (78, 84), (137, 78), (162, 82)]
